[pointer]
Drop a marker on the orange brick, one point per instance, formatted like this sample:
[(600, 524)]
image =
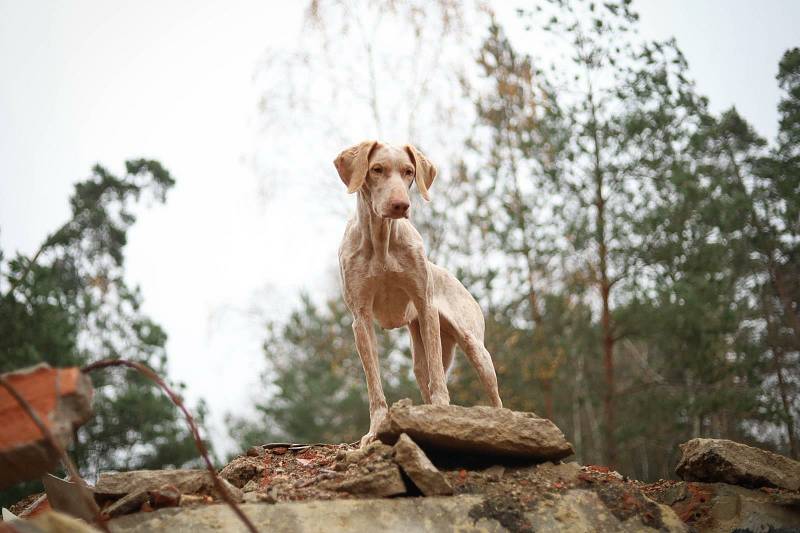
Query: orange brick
[(61, 397)]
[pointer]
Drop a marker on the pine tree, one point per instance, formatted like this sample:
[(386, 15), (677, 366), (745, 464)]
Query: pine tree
[(69, 305)]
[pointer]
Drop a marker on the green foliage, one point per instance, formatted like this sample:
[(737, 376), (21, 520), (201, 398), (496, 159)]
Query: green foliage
[(69, 305)]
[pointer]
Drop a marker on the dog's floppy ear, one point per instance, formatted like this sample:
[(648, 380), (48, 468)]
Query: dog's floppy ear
[(424, 171), (352, 164)]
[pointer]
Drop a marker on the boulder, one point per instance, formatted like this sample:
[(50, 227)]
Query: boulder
[(719, 460), (419, 468), (480, 430)]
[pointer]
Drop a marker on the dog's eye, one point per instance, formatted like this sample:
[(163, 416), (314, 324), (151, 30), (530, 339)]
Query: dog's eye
[(377, 170), (409, 172)]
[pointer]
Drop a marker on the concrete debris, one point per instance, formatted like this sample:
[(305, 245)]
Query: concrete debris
[(62, 397), (479, 430), (130, 503), (419, 468), (243, 469), (166, 496), (719, 460), (65, 496), (719, 507), (383, 479), (118, 484), (478, 468)]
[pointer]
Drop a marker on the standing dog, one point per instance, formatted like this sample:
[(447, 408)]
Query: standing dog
[(387, 278)]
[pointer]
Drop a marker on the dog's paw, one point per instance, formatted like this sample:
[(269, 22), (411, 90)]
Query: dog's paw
[(375, 420)]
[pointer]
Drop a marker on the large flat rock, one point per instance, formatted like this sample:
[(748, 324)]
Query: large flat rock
[(725, 461), (479, 430)]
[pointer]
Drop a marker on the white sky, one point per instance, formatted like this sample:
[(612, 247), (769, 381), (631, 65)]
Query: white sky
[(96, 81)]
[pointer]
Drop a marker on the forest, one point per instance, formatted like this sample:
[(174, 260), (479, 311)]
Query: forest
[(637, 256)]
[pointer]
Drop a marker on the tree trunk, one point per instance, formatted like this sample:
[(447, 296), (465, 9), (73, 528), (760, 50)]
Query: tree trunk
[(786, 402), (605, 294)]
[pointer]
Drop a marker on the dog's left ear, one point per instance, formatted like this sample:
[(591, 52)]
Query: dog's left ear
[(352, 164), (424, 171)]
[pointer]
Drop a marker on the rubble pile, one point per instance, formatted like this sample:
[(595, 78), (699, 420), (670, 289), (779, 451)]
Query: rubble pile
[(439, 468), (730, 486)]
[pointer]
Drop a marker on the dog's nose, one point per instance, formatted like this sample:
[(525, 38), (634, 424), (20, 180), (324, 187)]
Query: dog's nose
[(400, 207)]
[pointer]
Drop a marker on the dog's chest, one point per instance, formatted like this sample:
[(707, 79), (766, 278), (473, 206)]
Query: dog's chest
[(390, 285), (391, 306)]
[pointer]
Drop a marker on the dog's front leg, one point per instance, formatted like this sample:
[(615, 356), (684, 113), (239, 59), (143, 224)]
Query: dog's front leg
[(432, 340), (367, 347)]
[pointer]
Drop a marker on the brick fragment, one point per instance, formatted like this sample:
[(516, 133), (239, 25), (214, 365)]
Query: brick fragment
[(62, 397)]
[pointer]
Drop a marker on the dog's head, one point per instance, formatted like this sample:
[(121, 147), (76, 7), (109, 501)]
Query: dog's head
[(384, 173)]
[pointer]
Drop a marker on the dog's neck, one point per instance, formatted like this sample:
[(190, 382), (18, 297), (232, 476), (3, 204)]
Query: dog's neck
[(376, 231)]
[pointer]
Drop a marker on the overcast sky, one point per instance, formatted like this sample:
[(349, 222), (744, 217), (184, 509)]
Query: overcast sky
[(96, 81)]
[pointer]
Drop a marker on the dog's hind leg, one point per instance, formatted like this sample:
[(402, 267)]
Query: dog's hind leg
[(448, 350), (479, 356)]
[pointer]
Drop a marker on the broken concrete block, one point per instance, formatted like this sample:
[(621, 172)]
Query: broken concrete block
[(384, 480), (480, 430), (66, 497), (116, 484), (62, 397), (726, 461), (419, 468), (724, 507)]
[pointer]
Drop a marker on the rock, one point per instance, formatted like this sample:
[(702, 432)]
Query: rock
[(586, 511), (419, 468), (129, 503), (719, 507), (242, 470), (384, 480), (68, 497), (495, 472), (116, 484), (375, 448), (250, 486), (166, 496), (62, 397), (486, 431), (255, 451), (719, 460)]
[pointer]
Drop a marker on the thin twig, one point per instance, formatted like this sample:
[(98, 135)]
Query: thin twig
[(201, 447), (83, 489)]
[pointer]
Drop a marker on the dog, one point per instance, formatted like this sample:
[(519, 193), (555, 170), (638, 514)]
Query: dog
[(387, 278)]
